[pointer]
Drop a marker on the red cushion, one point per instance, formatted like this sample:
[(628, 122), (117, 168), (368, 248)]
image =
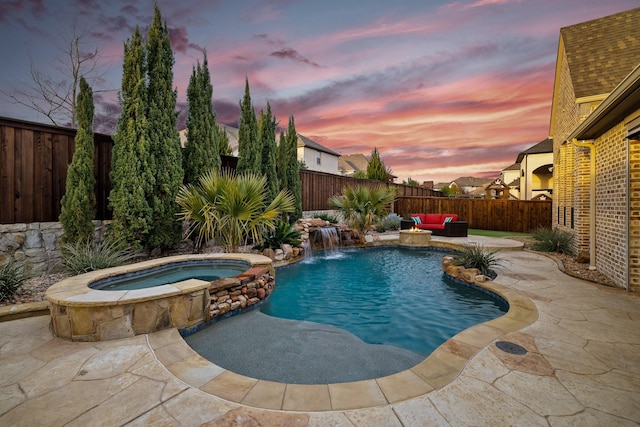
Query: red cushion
[(432, 219), (430, 226), (454, 217)]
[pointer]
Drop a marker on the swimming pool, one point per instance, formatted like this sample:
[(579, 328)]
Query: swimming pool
[(389, 295)]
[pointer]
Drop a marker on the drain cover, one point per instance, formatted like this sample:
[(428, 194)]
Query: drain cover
[(511, 348)]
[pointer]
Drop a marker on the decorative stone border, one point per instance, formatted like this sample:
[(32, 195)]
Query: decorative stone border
[(80, 313)]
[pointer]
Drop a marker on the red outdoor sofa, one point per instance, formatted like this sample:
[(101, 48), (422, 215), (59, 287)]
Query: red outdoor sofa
[(439, 224)]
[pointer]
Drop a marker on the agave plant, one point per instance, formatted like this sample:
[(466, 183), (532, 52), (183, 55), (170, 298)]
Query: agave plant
[(361, 206), (478, 257), (552, 240), (12, 276), (284, 233), (86, 255), (390, 222), (231, 208)]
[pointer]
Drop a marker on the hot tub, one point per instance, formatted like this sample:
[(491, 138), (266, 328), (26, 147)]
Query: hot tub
[(81, 313)]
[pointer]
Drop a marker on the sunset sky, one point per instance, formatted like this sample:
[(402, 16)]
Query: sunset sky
[(443, 89)]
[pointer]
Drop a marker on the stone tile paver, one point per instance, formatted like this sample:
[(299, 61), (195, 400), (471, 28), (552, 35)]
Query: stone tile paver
[(354, 395), (419, 412), (266, 394), (582, 369)]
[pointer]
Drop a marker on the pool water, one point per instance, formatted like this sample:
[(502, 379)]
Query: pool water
[(394, 296), (171, 273)]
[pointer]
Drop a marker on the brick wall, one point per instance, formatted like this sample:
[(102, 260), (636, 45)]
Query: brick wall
[(611, 204), (581, 196), (566, 118), (634, 215)]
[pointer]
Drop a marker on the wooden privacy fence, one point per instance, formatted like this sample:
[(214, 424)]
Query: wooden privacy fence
[(522, 216), (33, 170), (34, 159), (318, 187)]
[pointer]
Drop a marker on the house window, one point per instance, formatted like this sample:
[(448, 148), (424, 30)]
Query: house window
[(318, 158)]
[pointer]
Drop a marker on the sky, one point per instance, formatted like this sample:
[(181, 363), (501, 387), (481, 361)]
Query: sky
[(443, 89)]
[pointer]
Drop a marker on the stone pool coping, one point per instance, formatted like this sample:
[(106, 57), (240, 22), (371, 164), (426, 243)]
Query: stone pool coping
[(74, 290), (440, 368)]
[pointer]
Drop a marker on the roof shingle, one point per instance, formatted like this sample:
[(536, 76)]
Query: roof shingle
[(601, 52)]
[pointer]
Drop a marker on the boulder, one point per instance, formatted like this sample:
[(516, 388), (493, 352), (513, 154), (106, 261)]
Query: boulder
[(268, 252), (287, 251)]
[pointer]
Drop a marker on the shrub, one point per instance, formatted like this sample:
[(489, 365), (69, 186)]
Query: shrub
[(478, 257), (84, 256), (326, 217), (284, 233), (390, 222), (361, 206), (12, 276), (552, 240), (231, 208)]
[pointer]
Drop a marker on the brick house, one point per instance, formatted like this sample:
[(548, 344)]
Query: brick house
[(595, 123)]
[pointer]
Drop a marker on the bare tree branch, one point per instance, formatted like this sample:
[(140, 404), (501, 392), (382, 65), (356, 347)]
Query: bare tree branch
[(54, 96)]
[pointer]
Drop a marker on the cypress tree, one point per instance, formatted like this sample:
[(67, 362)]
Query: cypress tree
[(294, 184), (267, 133), (131, 177), (224, 149), (249, 151), (281, 160), (201, 153), (164, 141), (375, 168), (79, 201), (216, 163)]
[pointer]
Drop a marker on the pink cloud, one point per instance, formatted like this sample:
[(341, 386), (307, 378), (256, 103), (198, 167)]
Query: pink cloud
[(426, 132)]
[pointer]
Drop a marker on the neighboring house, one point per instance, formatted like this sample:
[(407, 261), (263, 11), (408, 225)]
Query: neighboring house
[(466, 185), (511, 177), (232, 134), (536, 170), (595, 127), (352, 163), (317, 157), (497, 189)]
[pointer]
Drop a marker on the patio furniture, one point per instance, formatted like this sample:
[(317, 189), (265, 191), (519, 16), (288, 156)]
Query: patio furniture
[(440, 224)]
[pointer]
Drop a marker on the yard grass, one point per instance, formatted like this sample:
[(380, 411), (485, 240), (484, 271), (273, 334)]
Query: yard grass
[(493, 233)]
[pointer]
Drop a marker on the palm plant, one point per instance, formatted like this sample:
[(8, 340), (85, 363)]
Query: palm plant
[(231, 208), (361, 206)]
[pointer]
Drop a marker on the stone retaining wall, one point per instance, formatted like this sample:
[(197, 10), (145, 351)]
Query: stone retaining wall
[(36, 244), (231, 294)]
